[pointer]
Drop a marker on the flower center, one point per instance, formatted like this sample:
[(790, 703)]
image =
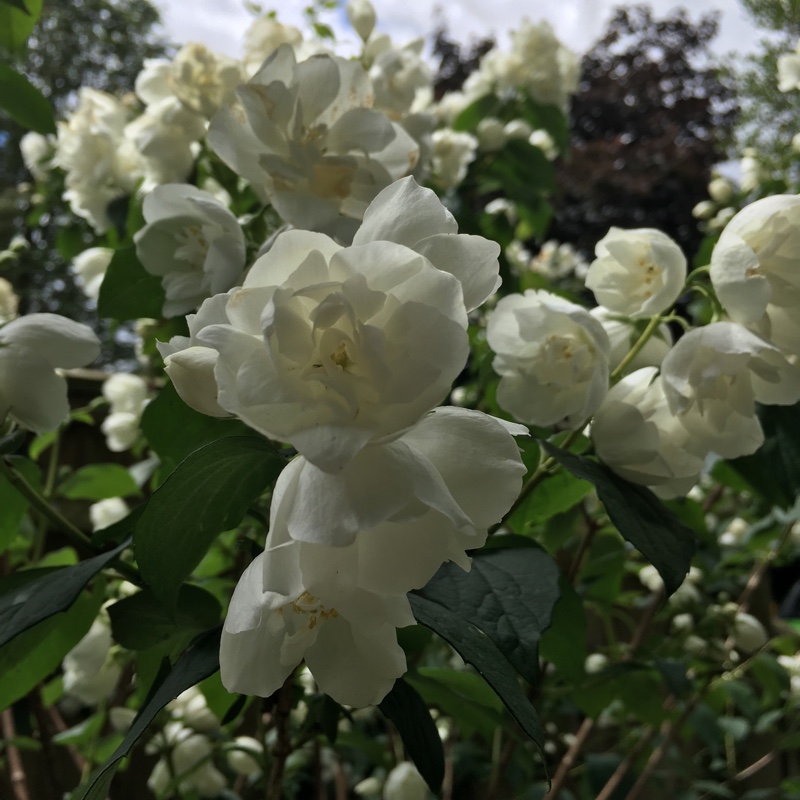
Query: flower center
[(314, 612)]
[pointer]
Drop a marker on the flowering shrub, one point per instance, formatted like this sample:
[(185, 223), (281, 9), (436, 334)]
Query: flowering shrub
[(375, 454)]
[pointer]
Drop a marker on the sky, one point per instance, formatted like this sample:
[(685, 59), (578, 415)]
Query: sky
[(220, 24)]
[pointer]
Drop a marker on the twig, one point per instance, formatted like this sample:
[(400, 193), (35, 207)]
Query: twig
[(283, 744), (568, 761), (19, 781), (625, 765), (339, 780)]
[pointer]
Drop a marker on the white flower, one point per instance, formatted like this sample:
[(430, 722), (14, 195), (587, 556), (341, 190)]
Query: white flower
[(682, 622), (714, 376), (90, 266), (751, 169), (31, 348), (491, 134), (595, 662), (755, 266), (264, 36), (362, 17), (637, 272), (517, 129), (405, 783), (90, 671), (544, 141), (192, 242), (203, 80), (636, 434), (106, 512), (305, 137), (190, 763), (453, 152), (126, 392), (246, 756), (9, 302), (735, 533), (192, 709), (748, 633), (409, 505), (328, 347), (788, 72), (121, 429), (398, 74), (36, 150), (552, 356), (721, 190)]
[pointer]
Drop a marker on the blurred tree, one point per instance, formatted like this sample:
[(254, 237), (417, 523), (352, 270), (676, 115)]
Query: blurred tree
[(97, 43), (769, 117), (651, 117), (456, 62)]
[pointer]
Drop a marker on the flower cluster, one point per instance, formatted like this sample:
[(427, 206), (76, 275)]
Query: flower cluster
[(343, 352)]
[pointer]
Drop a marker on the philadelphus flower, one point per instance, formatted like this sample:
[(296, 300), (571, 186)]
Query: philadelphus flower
[(328, 347), (635, 433), (189, 762), (748, 632), (192, 242), (637, 272), (264, 36), (9, 301), (127, 397), (552, 356), (306, 138), (398, 74), (90, 671), (106, 512), (405, 783), (453, 152), (90, 266), (31, 348), (789, 70), (714, 376), (397, 511), (246, 756), (755, 266)]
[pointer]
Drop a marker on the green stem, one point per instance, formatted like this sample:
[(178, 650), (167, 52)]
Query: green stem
[(76, 537), (637, 348)]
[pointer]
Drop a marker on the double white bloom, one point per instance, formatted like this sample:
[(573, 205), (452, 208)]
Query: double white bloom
[(306, 138), (396, 511), (552, 356), (328, 347)]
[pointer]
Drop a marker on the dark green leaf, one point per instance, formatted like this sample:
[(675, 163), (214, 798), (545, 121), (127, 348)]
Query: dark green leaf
[(20, 4), (141, 621), (174, 430), (208, 493), (34, 654), (774, 469), (410, 715), (98, 482), (197, 663), (16, 25), (22, 607), (478, 649), (128, 291), (639, 516), (556, 494), (509, 594), (22, 101)]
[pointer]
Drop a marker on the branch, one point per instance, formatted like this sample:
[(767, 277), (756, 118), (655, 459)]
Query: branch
[(283, 745), (19, 781)]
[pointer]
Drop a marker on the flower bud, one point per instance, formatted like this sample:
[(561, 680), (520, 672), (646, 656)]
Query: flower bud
[(748, 633), (721, 190), (362, 17), (245, 757)]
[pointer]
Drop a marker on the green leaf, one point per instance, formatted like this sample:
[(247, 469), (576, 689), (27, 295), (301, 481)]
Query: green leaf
[(24, 605), (555, 495), (508, 594), (23, 102), (98, 482), (20, 4), (16, 25), (208, 493), (774, 469), (128, 291), (468, 119), (639, 516), (549, 118), (564, 642), (410, 715), (34, 654), (479, 650), (12, 504), (464, 696), (141, 621), (196, 664), (174, 430)]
